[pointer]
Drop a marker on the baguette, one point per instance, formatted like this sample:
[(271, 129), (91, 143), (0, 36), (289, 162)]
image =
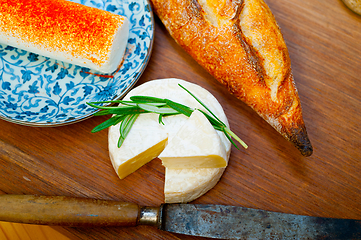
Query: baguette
[(240, 44), (65, 31)]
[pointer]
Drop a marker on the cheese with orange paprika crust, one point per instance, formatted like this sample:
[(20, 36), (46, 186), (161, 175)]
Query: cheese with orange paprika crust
[(65, 31)]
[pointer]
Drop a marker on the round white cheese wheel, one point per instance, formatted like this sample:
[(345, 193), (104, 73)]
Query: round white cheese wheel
[(181, 185)]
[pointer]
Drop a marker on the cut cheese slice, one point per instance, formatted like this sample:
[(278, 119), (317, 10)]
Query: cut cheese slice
[(196, 145), (185, 185), (181, 185), (65, 31), (145, 141)]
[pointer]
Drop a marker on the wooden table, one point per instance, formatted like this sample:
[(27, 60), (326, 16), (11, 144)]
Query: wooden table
[(324, 42)]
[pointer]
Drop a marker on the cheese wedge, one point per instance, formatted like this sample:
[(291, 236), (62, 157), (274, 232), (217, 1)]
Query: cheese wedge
[(181, 185), (65, 31), (145, 141), (196, 145)]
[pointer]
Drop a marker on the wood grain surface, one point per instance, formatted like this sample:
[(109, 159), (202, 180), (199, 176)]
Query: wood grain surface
[(18, 231), (324, 42)]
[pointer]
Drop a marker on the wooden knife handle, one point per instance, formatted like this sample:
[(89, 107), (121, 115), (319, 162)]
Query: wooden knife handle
[(67, 211)]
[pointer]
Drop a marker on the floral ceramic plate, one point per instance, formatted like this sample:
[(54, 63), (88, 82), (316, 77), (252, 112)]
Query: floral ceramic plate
[(39, 91)]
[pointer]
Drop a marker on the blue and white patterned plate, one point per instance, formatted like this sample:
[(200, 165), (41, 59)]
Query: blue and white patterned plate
[(38, 91)]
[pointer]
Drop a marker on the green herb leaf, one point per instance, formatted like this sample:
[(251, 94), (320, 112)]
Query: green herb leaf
[(101, 113), (160, 119), (110, 122), (127, 112), (125, 127), (157, 104), (229, 138), (128, 103), (147, 99), (154, 109), (236, 137), (180, 107)]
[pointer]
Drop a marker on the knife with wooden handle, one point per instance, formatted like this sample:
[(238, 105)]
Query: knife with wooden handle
[(214, 221)]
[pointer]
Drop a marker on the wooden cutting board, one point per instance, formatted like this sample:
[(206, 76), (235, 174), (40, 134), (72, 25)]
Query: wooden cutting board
[(324, 42)]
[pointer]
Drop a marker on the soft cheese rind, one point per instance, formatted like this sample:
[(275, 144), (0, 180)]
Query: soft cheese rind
[(65, 31)]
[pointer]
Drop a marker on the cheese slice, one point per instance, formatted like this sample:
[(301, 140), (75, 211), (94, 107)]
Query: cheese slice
[(196, 145), (145, 141), (185, 185), (181, 185), (65, 31)]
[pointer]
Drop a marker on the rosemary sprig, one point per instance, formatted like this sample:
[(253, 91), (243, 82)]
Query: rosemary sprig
[(127, 112)]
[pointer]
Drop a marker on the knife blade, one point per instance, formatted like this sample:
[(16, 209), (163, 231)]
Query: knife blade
[(213, 221)]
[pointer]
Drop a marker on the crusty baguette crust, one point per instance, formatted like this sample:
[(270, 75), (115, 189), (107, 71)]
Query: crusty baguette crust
[(240, 44)]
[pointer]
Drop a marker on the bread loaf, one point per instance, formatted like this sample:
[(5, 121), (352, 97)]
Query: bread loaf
[(240, 44), (65, 31)]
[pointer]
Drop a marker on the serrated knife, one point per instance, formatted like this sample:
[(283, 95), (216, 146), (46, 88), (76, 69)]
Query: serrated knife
[(213, 221)]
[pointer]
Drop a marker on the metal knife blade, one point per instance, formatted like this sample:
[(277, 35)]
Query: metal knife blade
[(230, 222), (214, 221)]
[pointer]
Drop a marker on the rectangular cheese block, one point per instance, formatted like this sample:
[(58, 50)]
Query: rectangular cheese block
[(65, 31)]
